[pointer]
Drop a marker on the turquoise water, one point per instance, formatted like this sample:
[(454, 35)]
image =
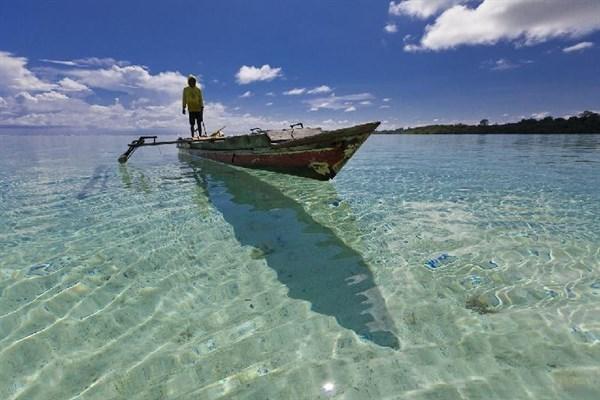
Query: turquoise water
[(432, 267)]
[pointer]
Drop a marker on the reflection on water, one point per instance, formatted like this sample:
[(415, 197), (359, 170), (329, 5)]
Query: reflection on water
[(138, 181), (308, 257)]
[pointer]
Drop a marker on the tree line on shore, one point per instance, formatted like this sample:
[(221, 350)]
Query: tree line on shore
[(586, 122)]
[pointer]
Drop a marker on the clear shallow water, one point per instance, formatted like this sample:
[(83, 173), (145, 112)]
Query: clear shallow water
[(447, 267)]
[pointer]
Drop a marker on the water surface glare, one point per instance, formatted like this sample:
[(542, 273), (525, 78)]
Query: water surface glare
[(446, 267)]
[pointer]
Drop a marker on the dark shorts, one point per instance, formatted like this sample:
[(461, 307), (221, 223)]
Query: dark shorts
[(195, 116)]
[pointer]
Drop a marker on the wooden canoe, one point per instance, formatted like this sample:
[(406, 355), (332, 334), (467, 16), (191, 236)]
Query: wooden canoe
[(307, 152)]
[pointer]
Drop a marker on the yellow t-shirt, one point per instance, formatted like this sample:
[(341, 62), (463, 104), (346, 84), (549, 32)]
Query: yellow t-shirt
[(192, 98)]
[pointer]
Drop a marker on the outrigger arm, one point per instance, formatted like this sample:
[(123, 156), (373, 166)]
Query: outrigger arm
[(142, 142)]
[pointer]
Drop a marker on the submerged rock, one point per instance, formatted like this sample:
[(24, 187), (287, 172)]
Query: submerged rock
[(480, 305)]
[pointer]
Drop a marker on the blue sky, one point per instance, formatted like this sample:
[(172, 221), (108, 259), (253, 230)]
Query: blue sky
[(122, 64)]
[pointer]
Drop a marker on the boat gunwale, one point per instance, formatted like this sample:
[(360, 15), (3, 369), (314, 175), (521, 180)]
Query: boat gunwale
[(322, 137)]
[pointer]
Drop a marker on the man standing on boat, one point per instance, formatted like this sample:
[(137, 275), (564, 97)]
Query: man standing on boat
[(192, 98)]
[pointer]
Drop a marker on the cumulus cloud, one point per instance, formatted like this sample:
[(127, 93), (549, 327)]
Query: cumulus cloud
[(151, 100), (578, 47), (132, 79), (526, 22), (421, 8), (390, 28), (77, 114), (334, 102), (69, 85), (320, 90), (295, 92), (15, 77), (249, 74)]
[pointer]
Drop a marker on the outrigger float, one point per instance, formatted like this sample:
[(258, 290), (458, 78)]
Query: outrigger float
[(308, 152)]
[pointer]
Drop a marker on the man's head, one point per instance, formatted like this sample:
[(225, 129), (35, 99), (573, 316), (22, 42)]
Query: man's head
[(192, 80)]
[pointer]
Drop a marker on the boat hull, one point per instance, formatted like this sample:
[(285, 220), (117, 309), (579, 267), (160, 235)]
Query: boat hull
[(320, 156)]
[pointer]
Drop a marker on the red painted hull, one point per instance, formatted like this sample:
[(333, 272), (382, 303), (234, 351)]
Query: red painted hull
[(320, 156)]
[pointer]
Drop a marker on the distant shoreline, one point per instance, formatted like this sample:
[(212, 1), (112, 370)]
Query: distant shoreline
[(585, 123)]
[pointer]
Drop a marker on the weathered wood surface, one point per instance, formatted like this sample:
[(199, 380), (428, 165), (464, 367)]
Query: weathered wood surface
[(289, 134), (244, 142), (319, 156)]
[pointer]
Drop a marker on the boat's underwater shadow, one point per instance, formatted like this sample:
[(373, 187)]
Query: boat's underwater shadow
[(308, 257), (97, 183)]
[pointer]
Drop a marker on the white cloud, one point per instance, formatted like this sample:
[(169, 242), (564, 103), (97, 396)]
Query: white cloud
[(503, 64), (527, 22), (578, 47), (270, 94), (46, 102), (390, 28), (384, 106), (269, 104), (365, 103), (387, 100), (335, 124), (350, 109), (540, 115), (236, 123), (334, 102), (132, 79), (88, 62), (320, 90), (246, 94), (60, 62), (44, 112), (55, 109), (249, 74), (15, 77), (421, 8), (150, 103), (69, 85), (295, 92)]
